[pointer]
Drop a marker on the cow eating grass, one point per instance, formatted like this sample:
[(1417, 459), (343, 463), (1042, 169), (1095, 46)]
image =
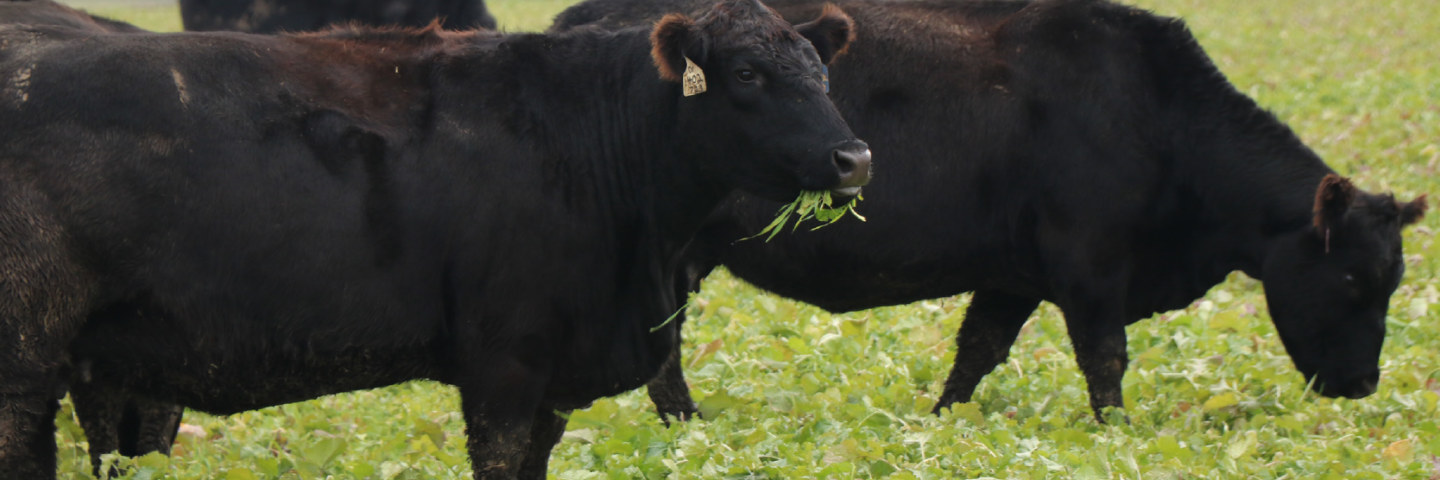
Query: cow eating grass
[(227, 222), (1079, 152)]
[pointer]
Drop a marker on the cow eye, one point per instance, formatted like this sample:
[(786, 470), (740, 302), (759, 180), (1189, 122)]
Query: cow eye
[(1349, 279), (745, 75)]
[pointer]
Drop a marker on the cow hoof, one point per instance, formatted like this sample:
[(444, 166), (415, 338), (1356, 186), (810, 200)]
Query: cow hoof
[(946, 402), (1112, 416), (682, 415)]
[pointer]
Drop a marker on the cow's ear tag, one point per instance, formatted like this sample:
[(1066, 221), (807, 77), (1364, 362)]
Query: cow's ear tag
[(694, 79), (825, 77)]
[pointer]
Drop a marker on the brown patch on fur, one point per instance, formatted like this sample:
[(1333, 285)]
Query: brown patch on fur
[(375, 75), (1414, 210), (360, 33), (666, 43), (1332, 198)]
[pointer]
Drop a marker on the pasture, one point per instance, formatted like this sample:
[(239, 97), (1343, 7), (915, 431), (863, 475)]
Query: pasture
[(789, 391)]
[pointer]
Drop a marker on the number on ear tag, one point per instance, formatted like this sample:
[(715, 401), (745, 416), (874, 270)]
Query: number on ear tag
[(825, 77), (694, 79)]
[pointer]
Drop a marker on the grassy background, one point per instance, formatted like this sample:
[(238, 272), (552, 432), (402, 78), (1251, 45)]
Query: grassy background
[(792, 392)]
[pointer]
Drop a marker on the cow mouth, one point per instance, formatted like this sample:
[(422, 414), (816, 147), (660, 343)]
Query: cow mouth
[(845, 193), (1356, 388)]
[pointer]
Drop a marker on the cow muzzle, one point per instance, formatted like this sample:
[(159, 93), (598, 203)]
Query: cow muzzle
[(1354, 388), (854, 169)]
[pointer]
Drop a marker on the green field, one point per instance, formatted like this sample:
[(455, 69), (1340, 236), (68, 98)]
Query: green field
[(792, 392)]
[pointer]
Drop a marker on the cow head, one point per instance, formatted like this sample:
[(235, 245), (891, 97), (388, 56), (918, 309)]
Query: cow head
[(763, 122), (1329, 285)]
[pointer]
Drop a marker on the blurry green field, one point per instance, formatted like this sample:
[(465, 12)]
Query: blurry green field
[(792, 392)]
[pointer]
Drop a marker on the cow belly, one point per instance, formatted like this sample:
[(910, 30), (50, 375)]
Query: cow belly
[(236, 376), (845, 283)]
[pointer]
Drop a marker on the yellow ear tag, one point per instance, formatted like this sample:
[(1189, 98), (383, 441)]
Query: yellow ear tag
[(694, 79)]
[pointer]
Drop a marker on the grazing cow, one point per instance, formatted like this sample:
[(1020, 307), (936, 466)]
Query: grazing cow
[(1078, 152), (229, 221), (47, 12), (265, 16)]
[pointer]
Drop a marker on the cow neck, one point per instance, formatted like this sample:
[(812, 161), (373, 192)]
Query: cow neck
[(601, 133), (606, 112), (1255, 178)]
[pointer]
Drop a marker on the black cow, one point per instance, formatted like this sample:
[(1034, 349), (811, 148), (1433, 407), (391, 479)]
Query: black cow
[(142, 426), (1078, 152), (270, 16), (47, 12), (229, 221)]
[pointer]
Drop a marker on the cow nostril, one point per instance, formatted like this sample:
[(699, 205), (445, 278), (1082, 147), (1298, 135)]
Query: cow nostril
[(845, 162), (853, 167)]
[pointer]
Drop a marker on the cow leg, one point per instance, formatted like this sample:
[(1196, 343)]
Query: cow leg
[(669, 391), (497, 435), (992, 322), (100, 407), (545, 433), (27, 434), (1092, 293), (149, 426), (500, 404), (43, 298), (1098, 335), (116, 421)]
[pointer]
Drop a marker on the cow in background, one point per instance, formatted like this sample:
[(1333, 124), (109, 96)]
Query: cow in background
[(48, 12), (271, 16)]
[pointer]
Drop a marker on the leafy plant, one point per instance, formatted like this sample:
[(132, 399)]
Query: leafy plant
[(811, 204)]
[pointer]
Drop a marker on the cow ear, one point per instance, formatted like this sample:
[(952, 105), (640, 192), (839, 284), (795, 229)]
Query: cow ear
[(1332, 199), (830, 33), (674, 35), (1413, 211)]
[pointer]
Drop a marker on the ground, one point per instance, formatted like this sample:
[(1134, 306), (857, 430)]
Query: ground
[(792, 392)]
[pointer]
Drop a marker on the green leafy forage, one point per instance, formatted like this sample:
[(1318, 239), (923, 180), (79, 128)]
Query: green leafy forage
[(810, 204)]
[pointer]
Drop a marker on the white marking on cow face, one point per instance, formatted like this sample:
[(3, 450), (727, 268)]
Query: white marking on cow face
[(180, 86)]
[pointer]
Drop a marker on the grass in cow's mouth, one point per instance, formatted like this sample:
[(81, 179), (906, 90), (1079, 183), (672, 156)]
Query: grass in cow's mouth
[(810, 204)]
